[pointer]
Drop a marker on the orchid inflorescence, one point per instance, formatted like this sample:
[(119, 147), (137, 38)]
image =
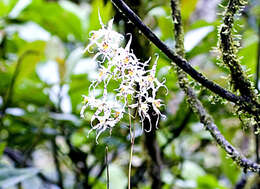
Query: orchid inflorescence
[(118, 63)]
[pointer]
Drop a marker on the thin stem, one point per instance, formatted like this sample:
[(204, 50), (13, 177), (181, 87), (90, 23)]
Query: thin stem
[(103, 167), (130, 165), (132, 139), (107, 165), (244, 102)]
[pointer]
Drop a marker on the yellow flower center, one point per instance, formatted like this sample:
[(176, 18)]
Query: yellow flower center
[(105, 46), (101, 73), (85, 100), (117, 114), (150, 78), (126, 60), (157, 103), (94, 36), (130, 72), (122, 89)]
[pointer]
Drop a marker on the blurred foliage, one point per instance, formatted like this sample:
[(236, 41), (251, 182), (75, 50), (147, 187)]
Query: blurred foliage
[(43, 73)]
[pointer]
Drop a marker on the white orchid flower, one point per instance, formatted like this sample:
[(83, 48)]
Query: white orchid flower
[(137, 84)]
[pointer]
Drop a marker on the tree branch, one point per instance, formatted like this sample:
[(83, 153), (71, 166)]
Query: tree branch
[(228, 48), (244, 102), (196, 105)]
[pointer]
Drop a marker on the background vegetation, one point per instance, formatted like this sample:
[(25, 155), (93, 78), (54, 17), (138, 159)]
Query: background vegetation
[(43, 74)]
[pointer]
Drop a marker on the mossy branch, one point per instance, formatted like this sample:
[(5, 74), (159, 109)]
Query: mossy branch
[(195, 103), (228, 48), (244, 102)]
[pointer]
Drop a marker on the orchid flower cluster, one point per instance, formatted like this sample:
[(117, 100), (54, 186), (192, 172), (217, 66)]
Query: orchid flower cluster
[(137, 85)]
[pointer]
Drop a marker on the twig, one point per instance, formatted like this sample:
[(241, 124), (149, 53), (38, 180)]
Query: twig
[(132, 139), (244, 102), (207, 121), (154, 151)]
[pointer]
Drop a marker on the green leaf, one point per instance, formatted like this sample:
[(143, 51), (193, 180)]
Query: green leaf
[(6, 7), (228, 167), (249, 51), (78, 87), (5, 79), (11, 176), (30, 92), (105, 10), (164, 23), (191, 170), (55, 19), (115, 173), (187, 7), (78, 138), (208, 182), (2, 148), (26, 78), (194, 37), (30, 55)]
